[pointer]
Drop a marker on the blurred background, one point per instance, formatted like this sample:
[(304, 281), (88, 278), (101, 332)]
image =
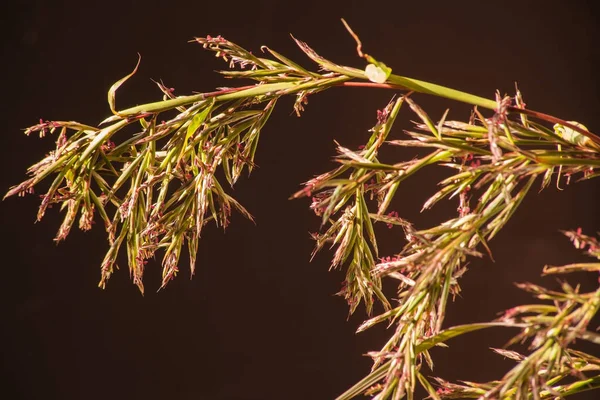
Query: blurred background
[(259, 321)]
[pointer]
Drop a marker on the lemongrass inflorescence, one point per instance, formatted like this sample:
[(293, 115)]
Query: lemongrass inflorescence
[(155, 190)]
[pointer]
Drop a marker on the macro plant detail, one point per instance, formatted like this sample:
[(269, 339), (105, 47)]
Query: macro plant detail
[(152, 175)]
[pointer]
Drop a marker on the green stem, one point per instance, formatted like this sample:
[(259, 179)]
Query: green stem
[(233, 94), (394, 82), (421, 87), (221, 95), (441, 91)]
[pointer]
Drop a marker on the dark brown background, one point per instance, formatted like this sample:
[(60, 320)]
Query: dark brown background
[(258, 321)]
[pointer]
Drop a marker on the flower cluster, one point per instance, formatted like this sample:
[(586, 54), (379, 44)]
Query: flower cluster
[(156, 187)]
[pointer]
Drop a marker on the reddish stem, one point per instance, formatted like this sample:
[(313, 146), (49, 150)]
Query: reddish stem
[(536, 114), (594, 138), (373, 85)]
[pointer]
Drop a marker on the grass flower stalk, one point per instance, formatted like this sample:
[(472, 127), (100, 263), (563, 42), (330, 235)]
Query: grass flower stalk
[(156, 188)]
